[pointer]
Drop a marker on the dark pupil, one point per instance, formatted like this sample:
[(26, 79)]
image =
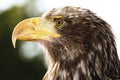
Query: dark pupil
[(58, 22)]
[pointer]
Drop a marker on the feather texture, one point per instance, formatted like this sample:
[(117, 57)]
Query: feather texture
[(85, 51)]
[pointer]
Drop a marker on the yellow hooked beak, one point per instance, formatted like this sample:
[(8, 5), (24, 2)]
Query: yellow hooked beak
[(34, 29)]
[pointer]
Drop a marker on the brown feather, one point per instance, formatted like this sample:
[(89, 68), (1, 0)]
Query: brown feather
[(85, 51)]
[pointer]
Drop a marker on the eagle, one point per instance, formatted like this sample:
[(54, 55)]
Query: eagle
[(78, 45)]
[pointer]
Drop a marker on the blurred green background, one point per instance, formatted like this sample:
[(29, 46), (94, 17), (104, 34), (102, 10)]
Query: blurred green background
[(17, 63)]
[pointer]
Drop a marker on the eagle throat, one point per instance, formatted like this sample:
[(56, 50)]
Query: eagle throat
[(83, 61)]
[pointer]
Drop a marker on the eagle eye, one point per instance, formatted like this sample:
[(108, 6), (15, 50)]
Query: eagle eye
[(59, 22)]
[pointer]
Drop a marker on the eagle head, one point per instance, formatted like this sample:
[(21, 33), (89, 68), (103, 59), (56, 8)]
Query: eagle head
[(78, 44)]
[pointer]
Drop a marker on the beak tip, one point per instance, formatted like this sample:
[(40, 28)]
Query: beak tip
[(14, 42)]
